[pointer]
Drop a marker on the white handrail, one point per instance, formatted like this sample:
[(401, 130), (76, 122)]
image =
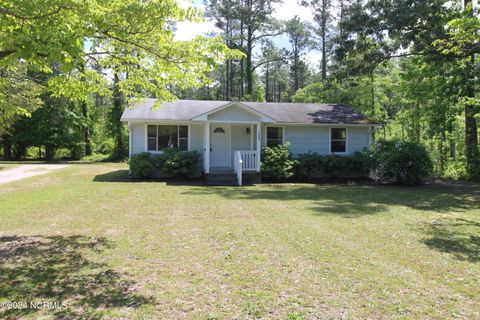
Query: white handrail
[(238, 166), (249, 160)]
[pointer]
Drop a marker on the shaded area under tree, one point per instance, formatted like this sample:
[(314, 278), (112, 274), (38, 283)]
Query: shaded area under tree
[(55, 268)]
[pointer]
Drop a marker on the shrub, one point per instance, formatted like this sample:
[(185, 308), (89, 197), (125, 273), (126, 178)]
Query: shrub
[(171, 162), (177, 163), (399, 162), (456, 170), (78, 151), (335, 165), (141, 165), (308, 165), (311, 165), (104, 147), (277, 163)]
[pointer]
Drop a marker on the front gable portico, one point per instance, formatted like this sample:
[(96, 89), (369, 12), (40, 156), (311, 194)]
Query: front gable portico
[(234, 112)]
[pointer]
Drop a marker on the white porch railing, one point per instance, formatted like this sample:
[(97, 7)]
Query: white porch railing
[(246, 161), (250, 160), (238, 166)]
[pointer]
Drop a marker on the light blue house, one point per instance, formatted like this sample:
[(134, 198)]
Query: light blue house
[(229, 135)]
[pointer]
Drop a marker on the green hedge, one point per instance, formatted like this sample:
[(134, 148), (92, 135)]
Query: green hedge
[(171, 162), (387, 162), (278, 164), (313, 165), (141, 165), (399, 162)]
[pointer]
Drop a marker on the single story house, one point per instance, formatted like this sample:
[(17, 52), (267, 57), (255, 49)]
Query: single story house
[(229, 135)]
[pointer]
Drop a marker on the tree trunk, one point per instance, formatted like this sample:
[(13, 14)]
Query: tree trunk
[(242, 63), (295, 72), (267, 87), (86, 127), (86, 130), (471, 137), (49, 152), (372, 92), (7, 148), (324, 40), (227, 63), (232, 72), (117, 125), (443, 154), (227, 78), (416, 124), (249, 68), (471, 129), (274, 88)]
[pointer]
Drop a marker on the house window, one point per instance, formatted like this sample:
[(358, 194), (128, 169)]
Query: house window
[(162, 137), (274, 136), (338, 140)]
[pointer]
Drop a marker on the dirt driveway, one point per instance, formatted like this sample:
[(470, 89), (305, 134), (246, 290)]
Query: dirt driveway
[(28, 170)]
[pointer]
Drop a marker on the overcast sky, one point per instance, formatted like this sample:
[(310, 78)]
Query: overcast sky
[(283, 11)]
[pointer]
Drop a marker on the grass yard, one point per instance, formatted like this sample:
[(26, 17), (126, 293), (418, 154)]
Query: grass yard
[(110, 248)]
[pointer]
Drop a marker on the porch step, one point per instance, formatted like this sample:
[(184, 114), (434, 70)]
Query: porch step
[(222, 179)]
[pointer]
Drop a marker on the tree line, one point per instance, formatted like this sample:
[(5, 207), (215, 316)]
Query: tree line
[(68, 70)]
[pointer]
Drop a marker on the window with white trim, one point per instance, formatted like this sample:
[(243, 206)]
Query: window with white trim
[(161, 137), (274, 136), (338, 140)]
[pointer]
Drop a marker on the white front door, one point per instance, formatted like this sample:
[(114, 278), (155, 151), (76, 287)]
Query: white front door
[(219, 145)]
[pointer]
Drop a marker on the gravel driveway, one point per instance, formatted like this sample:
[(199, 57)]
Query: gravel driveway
[(28, 170)]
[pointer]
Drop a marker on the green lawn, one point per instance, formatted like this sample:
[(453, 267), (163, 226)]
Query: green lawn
[(111, 248)]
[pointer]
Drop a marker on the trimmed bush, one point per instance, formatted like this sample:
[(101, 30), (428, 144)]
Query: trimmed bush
[(313, 165), (277, 163), (399, 162), (170, 162), (177, 163), (309, 165), (141, 165)]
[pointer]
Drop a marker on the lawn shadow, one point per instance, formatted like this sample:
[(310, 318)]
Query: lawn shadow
[(55, 269), (113, 176), (122, 176), (352, 201), (459, 237)]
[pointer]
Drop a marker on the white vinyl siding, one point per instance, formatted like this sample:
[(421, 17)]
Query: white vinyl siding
[(233, 114), (358, 139), (138, 138), (302, 138), (306, 138), (240, 138), (196, 137)]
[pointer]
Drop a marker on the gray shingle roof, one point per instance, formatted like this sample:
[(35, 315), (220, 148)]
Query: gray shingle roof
[(308, 113)]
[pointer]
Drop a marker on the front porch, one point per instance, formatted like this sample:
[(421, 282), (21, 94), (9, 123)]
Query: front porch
[(231, 151), (232, 138)]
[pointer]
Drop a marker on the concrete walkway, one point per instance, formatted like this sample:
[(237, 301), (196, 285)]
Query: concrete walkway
[(27, 170)]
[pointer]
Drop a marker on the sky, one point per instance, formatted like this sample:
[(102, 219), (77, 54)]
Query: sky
[(283, 11)]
